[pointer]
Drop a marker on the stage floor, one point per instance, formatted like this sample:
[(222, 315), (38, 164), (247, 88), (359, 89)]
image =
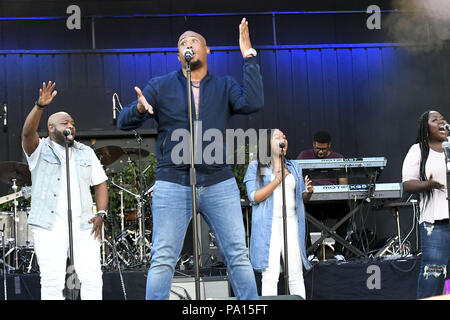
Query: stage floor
[(383, 279)]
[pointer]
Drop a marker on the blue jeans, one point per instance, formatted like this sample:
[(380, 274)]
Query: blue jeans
[(435, 239), (221, 208)]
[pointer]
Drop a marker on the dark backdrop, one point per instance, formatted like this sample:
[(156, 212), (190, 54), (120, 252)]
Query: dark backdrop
[(322, 69)]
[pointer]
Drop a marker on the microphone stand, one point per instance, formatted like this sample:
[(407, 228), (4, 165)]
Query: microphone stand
[(193, 184), (447, 168), (448, 189), (69, 218), (4, 264), (286, 268), (141, 215)]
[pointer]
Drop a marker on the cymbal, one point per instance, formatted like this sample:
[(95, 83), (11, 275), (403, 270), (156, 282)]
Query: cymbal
[(108, 154), (133, 153), (10, 170)]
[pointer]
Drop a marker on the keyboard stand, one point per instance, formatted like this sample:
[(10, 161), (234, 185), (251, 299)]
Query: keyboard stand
[(326, 231)]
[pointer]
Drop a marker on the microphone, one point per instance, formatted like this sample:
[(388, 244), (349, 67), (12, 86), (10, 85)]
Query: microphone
[(445, 127), (446, 147), (188, 54), (282, 145), (67, 132), (5, 115), (114, 109)]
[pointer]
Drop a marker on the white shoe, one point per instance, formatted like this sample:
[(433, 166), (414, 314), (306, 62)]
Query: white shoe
[(339, 257)]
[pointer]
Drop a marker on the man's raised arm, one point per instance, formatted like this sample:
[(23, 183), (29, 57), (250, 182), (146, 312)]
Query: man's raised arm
[(30, 137)]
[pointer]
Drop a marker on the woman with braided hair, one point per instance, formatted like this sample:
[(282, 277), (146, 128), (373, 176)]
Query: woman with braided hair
[(424, 172)]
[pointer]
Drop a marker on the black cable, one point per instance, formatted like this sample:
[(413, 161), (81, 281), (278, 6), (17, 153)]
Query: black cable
[(187, 297), (392, 263)]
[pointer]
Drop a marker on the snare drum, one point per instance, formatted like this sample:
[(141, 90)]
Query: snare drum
[(6, 218), (24, 232)]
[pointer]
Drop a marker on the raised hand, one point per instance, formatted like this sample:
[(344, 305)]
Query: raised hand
[(308, 185), (47, 93), (143, 106), (244, 36)]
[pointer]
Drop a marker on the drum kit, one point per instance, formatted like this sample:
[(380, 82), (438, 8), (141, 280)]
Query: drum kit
[(127, 231), (126, 234), (16, 237)]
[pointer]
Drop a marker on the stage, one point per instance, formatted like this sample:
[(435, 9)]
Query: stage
[(382, 279)]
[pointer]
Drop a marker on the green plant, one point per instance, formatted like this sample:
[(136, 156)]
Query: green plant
[(128, 178), (240, 169)]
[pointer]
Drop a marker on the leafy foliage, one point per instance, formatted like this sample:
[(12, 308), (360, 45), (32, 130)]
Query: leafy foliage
[(128, 178), (240, 169)]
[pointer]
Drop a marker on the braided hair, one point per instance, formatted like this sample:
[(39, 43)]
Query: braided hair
[(423, 139)]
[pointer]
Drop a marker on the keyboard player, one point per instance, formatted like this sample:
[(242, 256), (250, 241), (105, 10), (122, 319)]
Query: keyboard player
[(324, 211)]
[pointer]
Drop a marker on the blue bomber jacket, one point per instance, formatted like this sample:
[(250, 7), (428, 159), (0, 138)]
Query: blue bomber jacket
[(220, 97)]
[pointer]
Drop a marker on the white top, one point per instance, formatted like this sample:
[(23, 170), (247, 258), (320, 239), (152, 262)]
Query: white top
[(278, 197), (98, 176), (437, 207)]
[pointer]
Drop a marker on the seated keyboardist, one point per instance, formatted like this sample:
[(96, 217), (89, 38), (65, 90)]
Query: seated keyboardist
[(323, 211)]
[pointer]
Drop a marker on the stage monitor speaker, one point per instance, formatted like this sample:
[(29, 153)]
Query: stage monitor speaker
[(21, 287), (210, 287), (208, 250)]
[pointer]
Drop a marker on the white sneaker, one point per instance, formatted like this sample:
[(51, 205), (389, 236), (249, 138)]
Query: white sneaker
[(339, 257)]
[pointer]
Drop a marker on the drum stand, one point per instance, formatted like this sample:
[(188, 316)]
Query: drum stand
[(140, 203), (122, 215), (15, 227), (141, 234), (129, 248), (14, 248), (4, 264), (113, 246), (31, 263)]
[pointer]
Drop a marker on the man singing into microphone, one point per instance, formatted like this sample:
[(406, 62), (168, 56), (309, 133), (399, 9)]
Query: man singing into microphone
[(215, 99), (49, 204)]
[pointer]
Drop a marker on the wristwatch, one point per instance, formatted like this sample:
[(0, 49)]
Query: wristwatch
[(250, 51), (101, 213)]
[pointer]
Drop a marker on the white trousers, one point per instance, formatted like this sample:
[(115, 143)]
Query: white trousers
[(271, 274), (52, 249)]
